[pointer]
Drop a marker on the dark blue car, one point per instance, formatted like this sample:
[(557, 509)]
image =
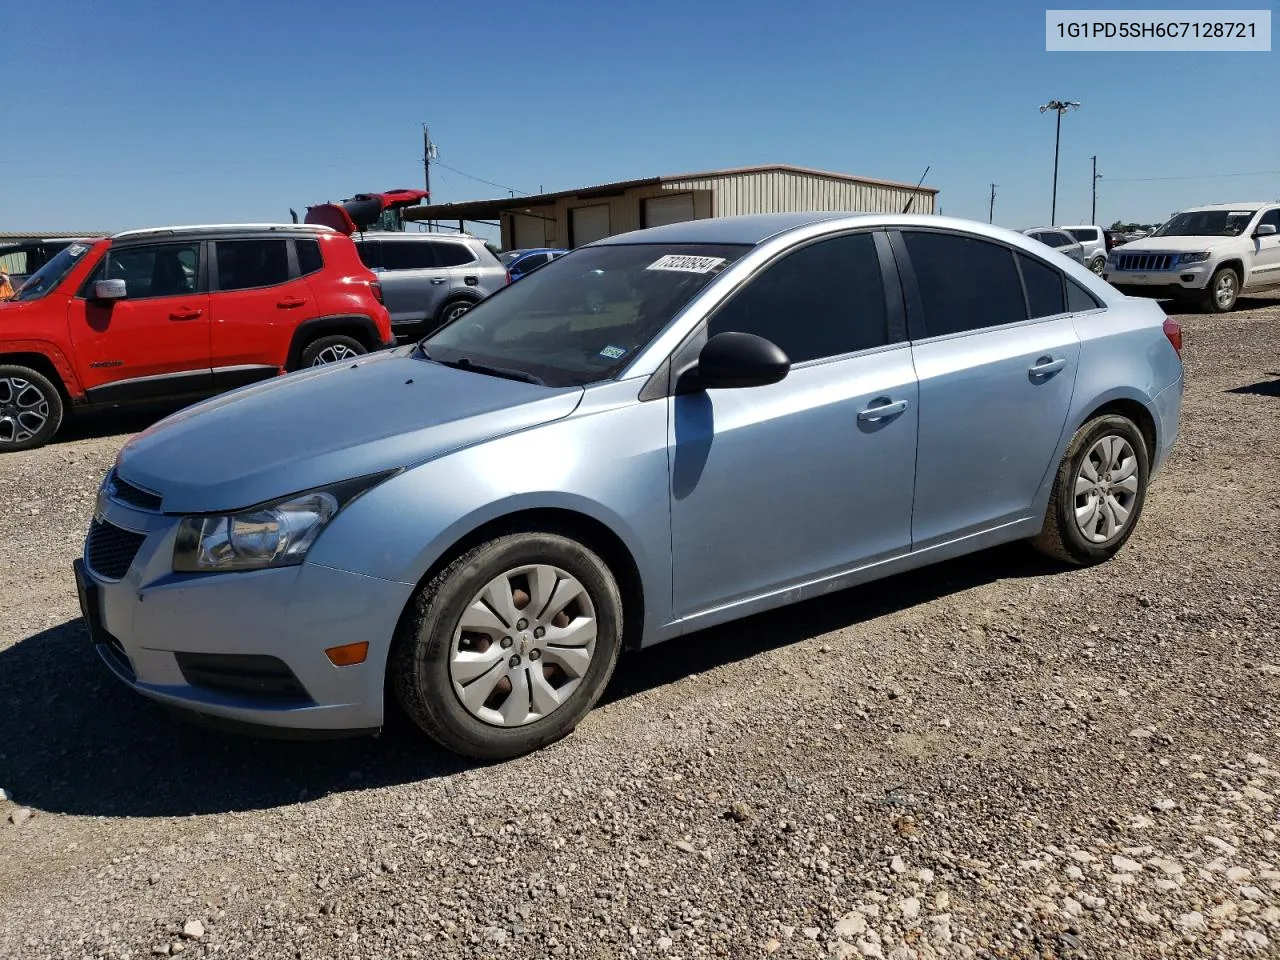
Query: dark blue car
[(521, 262)]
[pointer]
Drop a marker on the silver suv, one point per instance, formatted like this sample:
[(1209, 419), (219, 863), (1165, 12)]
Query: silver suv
[(429, 279), (1094, 242), (1060, 240)]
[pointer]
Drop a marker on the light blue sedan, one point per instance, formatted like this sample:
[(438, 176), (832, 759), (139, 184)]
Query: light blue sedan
[(655, 433)]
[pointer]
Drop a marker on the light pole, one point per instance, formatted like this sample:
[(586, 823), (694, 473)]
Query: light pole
[(1059, 107)]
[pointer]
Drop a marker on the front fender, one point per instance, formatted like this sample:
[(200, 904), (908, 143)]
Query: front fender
[(606, 462), (54, 355)]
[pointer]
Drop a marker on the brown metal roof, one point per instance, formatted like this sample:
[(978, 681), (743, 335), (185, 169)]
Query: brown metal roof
[(488, 209)]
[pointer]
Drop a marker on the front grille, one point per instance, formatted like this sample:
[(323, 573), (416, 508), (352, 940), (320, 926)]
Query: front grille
[(241, 674), (124, 491), (109, 551), (1146, 261)]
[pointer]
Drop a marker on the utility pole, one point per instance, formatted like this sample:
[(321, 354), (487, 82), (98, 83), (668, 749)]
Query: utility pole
[(1093, 217), (428, 154), (1059, 107), (991, 211)]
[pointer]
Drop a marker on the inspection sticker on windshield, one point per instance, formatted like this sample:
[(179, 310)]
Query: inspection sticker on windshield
[(685, 264), (76, 249), (612, 353)]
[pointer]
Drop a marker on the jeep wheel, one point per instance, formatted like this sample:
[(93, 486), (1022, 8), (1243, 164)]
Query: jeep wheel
[(30, 408), (331, 349), (1221, 293)]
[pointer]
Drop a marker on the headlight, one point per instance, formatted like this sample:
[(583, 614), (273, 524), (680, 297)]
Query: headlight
[(277, 534), (1193, 258)]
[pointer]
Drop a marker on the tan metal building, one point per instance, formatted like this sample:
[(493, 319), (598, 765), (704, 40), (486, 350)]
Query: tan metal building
[(571, 218)]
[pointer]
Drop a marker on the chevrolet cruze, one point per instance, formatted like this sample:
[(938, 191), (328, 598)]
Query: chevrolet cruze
[(655, 433)]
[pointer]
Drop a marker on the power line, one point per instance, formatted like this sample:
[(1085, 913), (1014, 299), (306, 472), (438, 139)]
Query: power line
[(500, 186), (1206, 176)]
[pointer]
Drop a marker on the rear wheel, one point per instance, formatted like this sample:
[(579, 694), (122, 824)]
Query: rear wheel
[(453, 310), (1097, 264), (31, 408), (331, 349), (1222, 291), (1098, 493), (510, 646)]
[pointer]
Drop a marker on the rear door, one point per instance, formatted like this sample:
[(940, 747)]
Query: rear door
[(996, 354), (469, 275), (153, 343), (257, 299), (413, 284), (1266, 257)]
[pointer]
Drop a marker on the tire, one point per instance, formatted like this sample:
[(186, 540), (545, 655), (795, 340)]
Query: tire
[(1062, 536), (1223, 290), (1097, 264), (331, 349), (451, 311), (431, 643), (31, 408)]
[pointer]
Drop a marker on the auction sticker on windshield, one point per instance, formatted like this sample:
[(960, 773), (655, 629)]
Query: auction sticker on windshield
[(686, 264)]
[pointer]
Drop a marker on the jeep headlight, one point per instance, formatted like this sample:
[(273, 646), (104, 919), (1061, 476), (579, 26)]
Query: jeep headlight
[(276, 534), (1193, 258)]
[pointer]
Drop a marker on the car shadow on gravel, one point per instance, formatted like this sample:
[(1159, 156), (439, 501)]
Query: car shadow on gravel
[(1263, 388), (113, 422), (73, 740)]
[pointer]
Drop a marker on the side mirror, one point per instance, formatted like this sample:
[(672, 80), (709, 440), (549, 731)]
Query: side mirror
[(1265, 230), (107, 290), (731, 360)]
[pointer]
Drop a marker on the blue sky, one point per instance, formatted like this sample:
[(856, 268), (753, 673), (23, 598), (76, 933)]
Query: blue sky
[(135, 113)]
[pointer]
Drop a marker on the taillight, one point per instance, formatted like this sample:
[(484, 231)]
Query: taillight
[(376, 287), (508, 276), (1173, 330)]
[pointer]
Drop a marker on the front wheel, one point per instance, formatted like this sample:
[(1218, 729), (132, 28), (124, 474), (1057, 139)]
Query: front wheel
[(1223, 289), (510, 646), (30, 408), (331, 349), (1098, 493)]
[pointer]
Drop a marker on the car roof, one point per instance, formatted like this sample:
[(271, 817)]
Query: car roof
[(1242, 205), (206, 228), (416, 235)]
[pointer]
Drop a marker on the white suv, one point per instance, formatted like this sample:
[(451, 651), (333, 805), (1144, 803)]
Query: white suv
[(1094, 242), (1208, 254)]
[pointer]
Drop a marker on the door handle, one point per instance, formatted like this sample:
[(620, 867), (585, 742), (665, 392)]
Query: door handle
[(1046, 366), (881, 411), (438, 280), (288, 303), (186, 314)]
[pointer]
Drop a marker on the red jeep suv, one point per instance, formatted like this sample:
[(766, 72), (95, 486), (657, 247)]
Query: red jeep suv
[(181, 312)]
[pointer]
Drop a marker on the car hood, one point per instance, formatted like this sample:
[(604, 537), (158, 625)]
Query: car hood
[(327, 424), (1174, 244)]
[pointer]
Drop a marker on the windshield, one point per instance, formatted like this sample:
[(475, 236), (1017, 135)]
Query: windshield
[(1207, 223), (507, 257), (52, 273), (583, 316)]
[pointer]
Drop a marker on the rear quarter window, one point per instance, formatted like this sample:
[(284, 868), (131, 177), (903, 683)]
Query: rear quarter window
[(310, 260)]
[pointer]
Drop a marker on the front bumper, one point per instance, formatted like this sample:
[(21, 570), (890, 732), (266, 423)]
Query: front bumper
[(244, 647), (1176, 280)]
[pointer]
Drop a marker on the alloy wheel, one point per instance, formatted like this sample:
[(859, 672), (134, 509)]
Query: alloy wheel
[(456, 311), (1225, 289), (24, 410), (1106, 489), (339, 351), (523, 645)]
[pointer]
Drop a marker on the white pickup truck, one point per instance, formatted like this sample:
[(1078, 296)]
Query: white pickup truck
[(1207, 254)]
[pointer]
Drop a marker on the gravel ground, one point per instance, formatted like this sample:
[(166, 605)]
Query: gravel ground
[(989, 758)]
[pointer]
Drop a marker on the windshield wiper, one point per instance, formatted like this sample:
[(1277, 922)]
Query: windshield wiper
[(505, 372)]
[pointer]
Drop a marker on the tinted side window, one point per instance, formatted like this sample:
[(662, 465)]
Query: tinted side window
[(452, 254), (407, 255), (245, 264), (820, 301), (1044, 288), (310, 259), (528, 263), (370, 253), (1084, 234), (965, 283), (1078, 298), (167, 270)]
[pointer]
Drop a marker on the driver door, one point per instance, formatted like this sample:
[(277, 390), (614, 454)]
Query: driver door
[(775, 486), (154, 342)]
